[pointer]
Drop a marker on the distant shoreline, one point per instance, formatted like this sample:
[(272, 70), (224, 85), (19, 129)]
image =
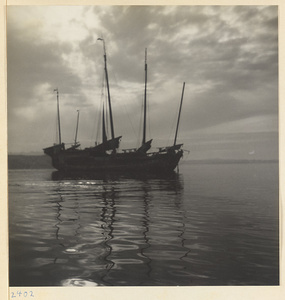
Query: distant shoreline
[(29, 162), (18, 161), (229, 161)]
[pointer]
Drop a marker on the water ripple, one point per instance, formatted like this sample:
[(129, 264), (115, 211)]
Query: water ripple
[(195, 229)]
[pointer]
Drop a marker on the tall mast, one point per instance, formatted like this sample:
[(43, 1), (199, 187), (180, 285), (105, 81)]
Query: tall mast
[(104, 135), (145, 86), (179, 114), (109, 96), (75, 140), (58, 115)]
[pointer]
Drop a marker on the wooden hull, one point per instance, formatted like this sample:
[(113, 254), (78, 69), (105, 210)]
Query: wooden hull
[(82, 160)]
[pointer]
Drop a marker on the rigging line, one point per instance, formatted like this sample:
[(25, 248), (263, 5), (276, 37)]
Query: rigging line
[(102, 104), (185, 158), (94, 128), (148, 120), (98, 122), (140, 122), (148, 131), (75, 130), (97, 115), (139, 134), (129, 118), (172, 128), (58, 115), (125, 108), (108, 124), (144, 107), (55, 138), (112, 75)]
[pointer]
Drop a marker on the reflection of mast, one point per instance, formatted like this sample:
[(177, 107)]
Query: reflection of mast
[(176, 185), (146, 227), (181, 236), (59, 208), (61, 217), (108, 220)]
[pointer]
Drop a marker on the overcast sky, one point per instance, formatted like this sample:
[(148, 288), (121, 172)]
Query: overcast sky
[(228, 57)]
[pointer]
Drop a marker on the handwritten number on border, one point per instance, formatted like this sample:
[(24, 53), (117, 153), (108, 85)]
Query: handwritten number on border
[(20, 294)]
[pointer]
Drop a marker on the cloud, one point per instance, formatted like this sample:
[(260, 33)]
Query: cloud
[(227, 55), (33, 62)]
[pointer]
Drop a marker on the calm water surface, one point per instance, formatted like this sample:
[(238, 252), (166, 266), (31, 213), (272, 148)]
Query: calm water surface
[(211, 224)]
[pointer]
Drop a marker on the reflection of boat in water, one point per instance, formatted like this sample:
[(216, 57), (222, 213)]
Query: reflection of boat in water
[(108, 225), (104, 157), (114, 175)]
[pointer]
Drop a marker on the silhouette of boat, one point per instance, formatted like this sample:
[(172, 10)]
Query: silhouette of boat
[(105, 157)]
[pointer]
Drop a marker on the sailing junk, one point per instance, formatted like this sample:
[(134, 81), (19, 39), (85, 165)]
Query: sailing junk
[(100, 159)]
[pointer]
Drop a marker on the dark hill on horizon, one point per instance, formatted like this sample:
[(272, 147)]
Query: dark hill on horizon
[(29, 162)]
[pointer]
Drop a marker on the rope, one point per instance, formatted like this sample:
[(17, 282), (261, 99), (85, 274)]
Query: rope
[(140, 123), (98, 115), (126, 109), (172, 129)]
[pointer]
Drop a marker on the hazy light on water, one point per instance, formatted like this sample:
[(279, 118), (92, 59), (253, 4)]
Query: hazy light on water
[(212, 224)]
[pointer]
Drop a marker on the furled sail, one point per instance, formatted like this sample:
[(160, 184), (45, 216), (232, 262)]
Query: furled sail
[(107, 145), (145, 147)]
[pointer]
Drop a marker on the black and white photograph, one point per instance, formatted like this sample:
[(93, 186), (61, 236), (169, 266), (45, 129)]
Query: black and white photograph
[(143, 145)]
